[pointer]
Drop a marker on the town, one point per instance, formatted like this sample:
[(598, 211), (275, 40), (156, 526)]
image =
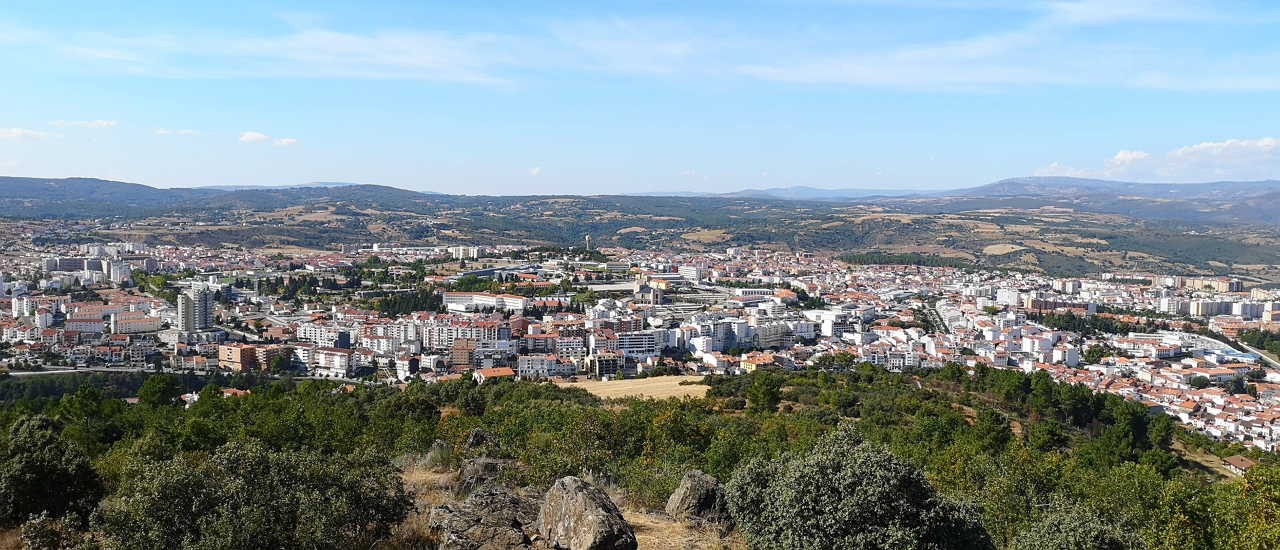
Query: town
[(1201, 349)]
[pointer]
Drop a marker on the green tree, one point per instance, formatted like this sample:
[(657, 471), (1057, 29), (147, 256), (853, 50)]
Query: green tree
[(42, 474), (1075, 529), (765, 392), (846, 494), (1247, 510), (159, 391), (247, 496)]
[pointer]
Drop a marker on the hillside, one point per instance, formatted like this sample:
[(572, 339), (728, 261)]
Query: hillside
[(996, 459), (1061, 226)]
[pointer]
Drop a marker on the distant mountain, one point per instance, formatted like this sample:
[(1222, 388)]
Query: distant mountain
[(796, 193), (93, 198), (1250, 202), (802, 193), (1063, 187), (253, 187)]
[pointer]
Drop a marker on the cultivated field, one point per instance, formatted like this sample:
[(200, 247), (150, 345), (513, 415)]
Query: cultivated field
[(659, 387)]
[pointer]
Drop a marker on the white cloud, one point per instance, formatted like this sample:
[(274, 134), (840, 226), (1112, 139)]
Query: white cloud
[(253, 137), (168, 132), (284, 142), (1057, 47), (21, 133), (84, 123), (1045, 42), (535, 171), (1232, 159)]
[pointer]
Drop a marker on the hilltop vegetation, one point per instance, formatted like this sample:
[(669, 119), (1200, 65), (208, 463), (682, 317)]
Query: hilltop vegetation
[(998, 459)]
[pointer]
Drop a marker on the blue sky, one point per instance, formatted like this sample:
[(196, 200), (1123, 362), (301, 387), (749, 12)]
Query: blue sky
[(607, 97)]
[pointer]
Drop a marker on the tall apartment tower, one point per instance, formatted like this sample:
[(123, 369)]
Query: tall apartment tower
[(195, 309)]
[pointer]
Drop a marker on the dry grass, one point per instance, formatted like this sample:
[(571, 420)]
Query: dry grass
[(1207, 461), (660, 387), (657, 531), (428, 489), (11, 539), (708, 236), (1060, 249), (1001, 249)]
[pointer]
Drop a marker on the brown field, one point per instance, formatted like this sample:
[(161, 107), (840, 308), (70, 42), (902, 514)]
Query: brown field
[(708, 236), (1001, 249), (660, 387)]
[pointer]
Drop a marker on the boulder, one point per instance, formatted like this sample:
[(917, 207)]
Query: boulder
[(700, 500), (491, 518), (477, 472), (439, 456), (578, 516), (479, 439)]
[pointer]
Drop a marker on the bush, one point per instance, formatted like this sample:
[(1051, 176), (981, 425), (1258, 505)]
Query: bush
[(1075, 529), (42, 474), (846, 494), (247, 496)]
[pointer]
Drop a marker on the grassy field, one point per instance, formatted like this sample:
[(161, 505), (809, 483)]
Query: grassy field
[(659, 387)]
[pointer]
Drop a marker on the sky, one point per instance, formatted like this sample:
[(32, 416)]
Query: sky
[(532, 97)]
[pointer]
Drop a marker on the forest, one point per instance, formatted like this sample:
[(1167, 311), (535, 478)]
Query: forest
[(983, 459)]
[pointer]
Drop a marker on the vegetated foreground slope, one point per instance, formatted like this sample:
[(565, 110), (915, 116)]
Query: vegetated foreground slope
[(997, 459)]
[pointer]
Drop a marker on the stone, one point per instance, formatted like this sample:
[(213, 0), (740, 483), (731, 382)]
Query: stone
[(477, 472), (478, 439), (700, 500), (439, 456), (576, 515), (491, 518)]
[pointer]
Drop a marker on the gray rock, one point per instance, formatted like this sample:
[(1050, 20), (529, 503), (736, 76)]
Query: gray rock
[(478, 472), (578, 516), (439, 456), (700, 500), (491, 518), (479, 439)]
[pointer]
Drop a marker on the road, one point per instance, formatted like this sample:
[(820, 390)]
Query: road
[(50, 370), (1265, 358), (932, 312)]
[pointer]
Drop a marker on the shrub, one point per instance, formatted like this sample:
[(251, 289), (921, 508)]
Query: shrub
[(847, 494)]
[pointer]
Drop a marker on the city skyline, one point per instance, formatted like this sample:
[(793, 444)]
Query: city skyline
[(579, 98)]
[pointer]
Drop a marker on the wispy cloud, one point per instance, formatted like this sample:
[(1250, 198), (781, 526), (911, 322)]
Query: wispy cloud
[(1052, 48), (1238, 159), (22, 133), (1044, 42), (259, 137), (535, 171), (168, 132), (84, 123)]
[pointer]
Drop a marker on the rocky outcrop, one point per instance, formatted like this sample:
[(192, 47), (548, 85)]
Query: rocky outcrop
[(578, 516), (491, 518), (478, 472), (439, 456), (479, 440), (700, 500)]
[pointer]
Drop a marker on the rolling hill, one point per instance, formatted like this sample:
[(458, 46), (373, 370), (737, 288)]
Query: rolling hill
[(1043, 224)]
